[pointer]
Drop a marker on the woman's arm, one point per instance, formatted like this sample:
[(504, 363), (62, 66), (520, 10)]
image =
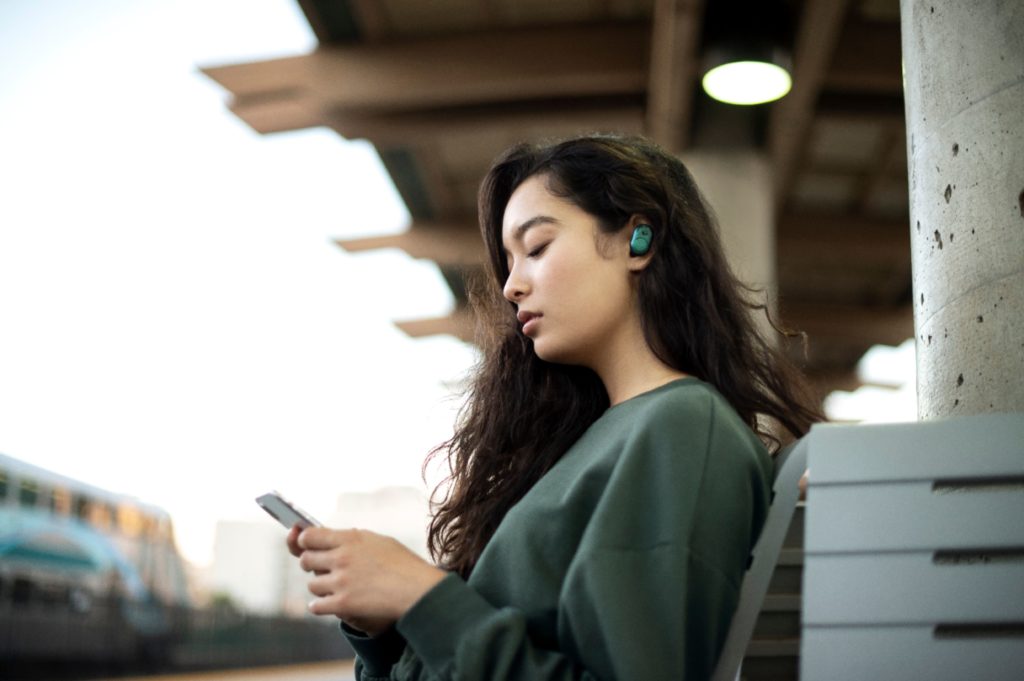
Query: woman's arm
[(653, 583), (615, 610), (653, 613), (649, 593)]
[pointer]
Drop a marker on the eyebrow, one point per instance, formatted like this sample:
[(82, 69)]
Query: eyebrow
[(520, 231)]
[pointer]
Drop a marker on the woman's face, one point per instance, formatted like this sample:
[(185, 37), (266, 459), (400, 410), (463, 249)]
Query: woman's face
[(570, 282)]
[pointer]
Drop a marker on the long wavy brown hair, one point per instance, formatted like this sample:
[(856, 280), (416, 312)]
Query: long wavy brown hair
[(522, 413)]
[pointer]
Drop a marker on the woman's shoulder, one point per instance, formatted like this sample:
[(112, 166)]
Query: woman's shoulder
[(682, 398), (689, 410), (675, 453)]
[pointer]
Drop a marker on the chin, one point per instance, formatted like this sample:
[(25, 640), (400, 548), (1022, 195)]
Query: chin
[(546, 351), (553, 353)]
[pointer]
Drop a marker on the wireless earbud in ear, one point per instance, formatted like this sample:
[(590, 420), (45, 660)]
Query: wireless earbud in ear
[(640, 242)]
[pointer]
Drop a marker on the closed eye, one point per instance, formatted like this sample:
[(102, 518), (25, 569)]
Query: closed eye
[(537, 251)]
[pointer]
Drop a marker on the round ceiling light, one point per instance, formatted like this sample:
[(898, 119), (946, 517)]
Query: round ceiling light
[(747, 82)]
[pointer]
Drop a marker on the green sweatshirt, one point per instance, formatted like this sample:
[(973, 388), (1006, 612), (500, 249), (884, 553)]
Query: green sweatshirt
[(623, 562)]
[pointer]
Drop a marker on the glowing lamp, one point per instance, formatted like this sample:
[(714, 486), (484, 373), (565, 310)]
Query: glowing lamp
[(746, 79)]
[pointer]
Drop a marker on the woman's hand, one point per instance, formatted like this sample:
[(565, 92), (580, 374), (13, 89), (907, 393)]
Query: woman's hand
[(366, 579)]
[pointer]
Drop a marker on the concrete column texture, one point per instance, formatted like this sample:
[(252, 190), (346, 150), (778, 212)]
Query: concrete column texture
[(964, 93)]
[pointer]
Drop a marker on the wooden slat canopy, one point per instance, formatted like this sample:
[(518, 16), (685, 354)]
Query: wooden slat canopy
[(440, 88)]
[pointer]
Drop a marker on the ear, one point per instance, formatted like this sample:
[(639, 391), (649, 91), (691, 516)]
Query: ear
[(638, 262)]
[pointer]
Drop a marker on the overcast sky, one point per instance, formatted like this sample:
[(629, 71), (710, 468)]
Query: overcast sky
[(175, 321)]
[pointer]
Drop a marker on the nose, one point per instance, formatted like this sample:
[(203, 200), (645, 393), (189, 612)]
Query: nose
[(515, 286)]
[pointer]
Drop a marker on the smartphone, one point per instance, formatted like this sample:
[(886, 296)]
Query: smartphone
[(285, 512)]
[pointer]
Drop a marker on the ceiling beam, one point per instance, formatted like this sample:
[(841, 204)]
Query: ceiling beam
[(461, 324), (844, 284), (270, 115), (675, 38), (474, 68), (373, 19), (316, 21), (453, 71), (434, 177), (476, 137), (467, 70), (269, 79), (868, 58), (882, 108), (852, 324), (791, 117), (810, 223), (809, 237), (511, 122), (446, 243)]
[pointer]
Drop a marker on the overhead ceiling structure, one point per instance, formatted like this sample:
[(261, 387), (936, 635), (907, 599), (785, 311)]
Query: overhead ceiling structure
[(441, 87)]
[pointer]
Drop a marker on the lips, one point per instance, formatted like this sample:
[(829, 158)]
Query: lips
[(529, 320)]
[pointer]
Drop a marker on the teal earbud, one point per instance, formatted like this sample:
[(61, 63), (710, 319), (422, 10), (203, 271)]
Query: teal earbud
[(640, 242)]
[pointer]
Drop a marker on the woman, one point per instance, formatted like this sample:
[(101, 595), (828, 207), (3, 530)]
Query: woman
[(608, 478)]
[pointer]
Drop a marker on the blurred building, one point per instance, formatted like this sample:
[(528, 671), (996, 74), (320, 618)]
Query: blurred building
[(399, 512), (251, 565)]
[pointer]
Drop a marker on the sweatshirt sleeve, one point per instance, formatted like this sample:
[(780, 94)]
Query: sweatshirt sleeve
[(651, 614), (375, 655), (457, 634), (650, 592)]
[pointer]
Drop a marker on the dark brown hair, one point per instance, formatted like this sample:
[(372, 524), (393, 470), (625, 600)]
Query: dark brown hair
[(523, 413)]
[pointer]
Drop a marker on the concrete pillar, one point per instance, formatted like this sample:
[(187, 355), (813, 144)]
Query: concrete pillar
[(964, 91), (738, 185)]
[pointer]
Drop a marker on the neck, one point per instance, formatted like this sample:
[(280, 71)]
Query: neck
[(630, 367)]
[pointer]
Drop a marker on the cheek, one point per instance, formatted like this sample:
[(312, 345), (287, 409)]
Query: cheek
[(564, 275), (583, 299)]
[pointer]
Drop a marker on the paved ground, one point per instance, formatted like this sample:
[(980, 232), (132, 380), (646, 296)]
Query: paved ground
[(324, 671)]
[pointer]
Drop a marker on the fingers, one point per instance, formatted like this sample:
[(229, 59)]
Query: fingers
[(362, 577), (320, 538), (320, 562), (328, 604), (293, 541), (322, 586), (319, 549), (339, 606)]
